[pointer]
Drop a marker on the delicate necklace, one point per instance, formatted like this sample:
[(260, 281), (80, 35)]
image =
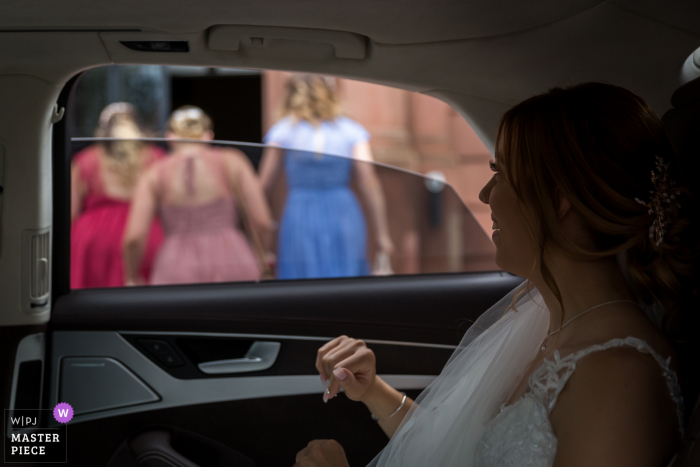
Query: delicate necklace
[(546, 339)]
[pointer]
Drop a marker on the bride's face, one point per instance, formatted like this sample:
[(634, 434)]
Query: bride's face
[(516, 249)]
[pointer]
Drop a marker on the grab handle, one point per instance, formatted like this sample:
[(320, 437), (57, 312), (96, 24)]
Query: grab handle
[(346, 45), (260, 356)]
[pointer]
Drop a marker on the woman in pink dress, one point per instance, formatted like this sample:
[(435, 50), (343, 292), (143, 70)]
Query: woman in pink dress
[(103, 177), (197, 193)]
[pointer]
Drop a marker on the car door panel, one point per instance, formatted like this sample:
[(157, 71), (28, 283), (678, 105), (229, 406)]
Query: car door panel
[(412, 323), (108, 367), (404, 308)]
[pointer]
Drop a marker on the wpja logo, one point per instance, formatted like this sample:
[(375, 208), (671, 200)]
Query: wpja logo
[(23, 421), (38, 435)]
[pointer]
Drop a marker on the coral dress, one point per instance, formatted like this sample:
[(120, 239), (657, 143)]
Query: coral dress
[(203, 242), (323, 231), (96, 235)]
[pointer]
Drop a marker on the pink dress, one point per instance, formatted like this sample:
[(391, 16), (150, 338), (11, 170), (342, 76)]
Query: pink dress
[(203, 242), (96, 235)]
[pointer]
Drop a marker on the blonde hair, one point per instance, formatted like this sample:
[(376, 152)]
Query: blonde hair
[(124, 155), (312, 98), (189, 122), (597, 143)]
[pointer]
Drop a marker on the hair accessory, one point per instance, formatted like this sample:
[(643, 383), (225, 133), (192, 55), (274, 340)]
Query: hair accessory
[(662, 195), (113, 109), (188, 113)]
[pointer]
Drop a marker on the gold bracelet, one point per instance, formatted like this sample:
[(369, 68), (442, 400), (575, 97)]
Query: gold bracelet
[(403, 401)]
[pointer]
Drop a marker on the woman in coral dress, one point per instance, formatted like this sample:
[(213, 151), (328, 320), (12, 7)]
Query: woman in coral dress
[(103, 177), (197, 193)]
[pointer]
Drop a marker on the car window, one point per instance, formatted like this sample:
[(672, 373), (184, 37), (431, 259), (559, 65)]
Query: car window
[(327, 189)]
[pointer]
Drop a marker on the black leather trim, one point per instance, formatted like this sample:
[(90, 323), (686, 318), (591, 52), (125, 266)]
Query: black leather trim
[(423, 308)]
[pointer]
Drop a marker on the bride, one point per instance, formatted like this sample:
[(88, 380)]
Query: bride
[(574, 367)]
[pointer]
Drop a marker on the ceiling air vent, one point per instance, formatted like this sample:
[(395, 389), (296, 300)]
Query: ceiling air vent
[(36, 270)]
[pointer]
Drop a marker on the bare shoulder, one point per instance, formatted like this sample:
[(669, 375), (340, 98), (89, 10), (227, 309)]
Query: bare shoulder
[(153, 169), (624, 322), (234, 156), (235, 160), (616, 409), (150, 174)]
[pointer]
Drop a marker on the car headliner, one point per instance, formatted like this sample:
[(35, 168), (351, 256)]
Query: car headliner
[(397, 22), (481, 56)]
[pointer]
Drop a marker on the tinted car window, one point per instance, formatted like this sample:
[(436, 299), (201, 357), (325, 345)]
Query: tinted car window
[(335, 190), (193, 216)]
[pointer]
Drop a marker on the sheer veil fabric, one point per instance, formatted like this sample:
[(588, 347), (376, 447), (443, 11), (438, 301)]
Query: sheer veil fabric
[(449, 417)]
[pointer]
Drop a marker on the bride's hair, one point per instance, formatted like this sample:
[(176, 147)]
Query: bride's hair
[(598, 144)]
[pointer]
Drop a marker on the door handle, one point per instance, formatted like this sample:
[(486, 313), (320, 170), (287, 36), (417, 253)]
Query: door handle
[(260, 356)]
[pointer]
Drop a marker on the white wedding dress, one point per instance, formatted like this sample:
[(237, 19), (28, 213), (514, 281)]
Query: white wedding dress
[(460, 419), (521, 435)]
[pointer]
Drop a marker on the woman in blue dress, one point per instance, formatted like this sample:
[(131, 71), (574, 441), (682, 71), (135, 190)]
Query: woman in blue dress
[(323, 231)]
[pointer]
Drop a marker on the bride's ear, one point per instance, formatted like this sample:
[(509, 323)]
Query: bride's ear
[(563, 205)]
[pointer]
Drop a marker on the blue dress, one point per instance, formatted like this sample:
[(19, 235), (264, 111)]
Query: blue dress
[(323, 231)]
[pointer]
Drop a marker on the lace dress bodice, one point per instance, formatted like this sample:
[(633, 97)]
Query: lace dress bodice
[(521, 433)]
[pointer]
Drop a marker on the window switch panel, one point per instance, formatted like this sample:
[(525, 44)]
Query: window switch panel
[(162, 351)]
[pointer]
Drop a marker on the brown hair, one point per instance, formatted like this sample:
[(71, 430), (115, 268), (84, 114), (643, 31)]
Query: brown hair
[(125, 155), (597, 144), (189, 122), (311, 98)]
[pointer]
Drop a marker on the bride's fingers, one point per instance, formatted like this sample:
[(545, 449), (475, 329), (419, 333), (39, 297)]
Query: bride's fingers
[(352, 374), (302, 453), (331, 344), (345, 379), (346, 343), (340, 353), (327, 361), (332, 389), (360, 361), (352, 345), (337, 353), (327, 347)]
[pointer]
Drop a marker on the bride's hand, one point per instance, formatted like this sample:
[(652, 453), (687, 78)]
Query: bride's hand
[(348, 364), (322, 453)]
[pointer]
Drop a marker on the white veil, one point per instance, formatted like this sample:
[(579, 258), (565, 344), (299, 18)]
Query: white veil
[(449, 417)]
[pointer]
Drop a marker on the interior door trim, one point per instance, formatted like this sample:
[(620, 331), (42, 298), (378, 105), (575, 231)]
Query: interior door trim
[(176, 392), (431, 308), (280, 336)]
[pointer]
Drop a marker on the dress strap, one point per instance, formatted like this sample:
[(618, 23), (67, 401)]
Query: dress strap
[(549, 380)]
